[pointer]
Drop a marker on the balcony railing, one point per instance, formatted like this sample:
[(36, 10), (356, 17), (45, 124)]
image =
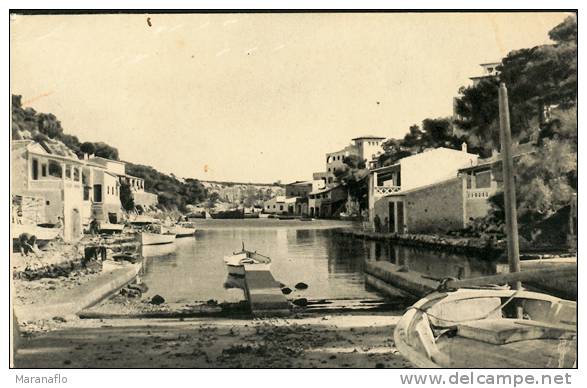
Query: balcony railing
[(484, 193), (386, 190)]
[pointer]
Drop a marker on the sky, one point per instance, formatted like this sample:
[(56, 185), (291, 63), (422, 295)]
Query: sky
[(253, 97)]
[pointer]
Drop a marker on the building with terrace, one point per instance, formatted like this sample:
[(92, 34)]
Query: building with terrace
[(422, 192), (50, 172)]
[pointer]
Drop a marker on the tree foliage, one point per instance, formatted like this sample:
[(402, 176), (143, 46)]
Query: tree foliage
[(126, 198), (353, 175), (172, 193), (542, 93)]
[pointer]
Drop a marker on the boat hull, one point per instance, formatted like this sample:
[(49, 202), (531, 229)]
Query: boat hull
[(486, 333), (44, 235), (181, 231), (148, 238), (235, 264), (111, 228), (228, 214)]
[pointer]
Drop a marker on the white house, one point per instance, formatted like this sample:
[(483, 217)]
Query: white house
[(421, 191)]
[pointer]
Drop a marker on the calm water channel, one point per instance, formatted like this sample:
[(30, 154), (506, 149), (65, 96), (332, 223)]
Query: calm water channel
[(192, 269)]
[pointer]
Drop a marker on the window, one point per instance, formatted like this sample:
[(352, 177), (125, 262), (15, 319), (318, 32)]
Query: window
[(108, 189), (280, 207), (76, 174), (68, 171), (469, 181), (97, 193), (55, 169), (483, 179), (35, 172), (86, 193), (43, 169), (47, 203)]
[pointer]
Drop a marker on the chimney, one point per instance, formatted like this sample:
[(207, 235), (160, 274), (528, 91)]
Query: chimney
[(464, 147)]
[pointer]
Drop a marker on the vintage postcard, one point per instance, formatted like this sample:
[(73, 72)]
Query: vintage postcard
[(279, 189)]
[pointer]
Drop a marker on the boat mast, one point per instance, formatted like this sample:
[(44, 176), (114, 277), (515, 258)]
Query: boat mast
[(511, 217)]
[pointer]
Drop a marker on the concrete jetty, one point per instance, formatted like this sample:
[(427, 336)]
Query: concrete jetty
[(394, 280), (70, 301), (263, 292)]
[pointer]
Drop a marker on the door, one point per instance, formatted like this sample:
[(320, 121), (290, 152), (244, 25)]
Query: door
[(391, 218), (35, 169), (97, 193), (400, 217), (76, 230)]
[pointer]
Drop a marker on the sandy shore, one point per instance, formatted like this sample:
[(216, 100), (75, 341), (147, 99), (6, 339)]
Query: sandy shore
[(331, 341)]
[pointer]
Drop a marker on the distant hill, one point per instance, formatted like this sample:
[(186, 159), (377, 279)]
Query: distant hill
[(247, 194)]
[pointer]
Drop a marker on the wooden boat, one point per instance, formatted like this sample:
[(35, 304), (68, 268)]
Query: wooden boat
[(480, 328), (183, 229), (251, 215), (109, 228), (349, 217), (142, 219), (228, 214), (286, 217), (235, 263), (44, 235), (150, 238)]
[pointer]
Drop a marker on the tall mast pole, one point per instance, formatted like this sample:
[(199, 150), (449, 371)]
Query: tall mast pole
[(511, 217)]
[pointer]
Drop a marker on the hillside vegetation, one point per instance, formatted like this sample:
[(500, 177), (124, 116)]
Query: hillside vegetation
[(173, 193)]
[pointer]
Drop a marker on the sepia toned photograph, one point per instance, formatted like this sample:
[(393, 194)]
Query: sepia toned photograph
[(293, 189)]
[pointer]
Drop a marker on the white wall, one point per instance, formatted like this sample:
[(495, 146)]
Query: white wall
[(433, 166)]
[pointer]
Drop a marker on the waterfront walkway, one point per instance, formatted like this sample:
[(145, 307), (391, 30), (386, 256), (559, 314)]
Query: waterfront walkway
[(65, 302)]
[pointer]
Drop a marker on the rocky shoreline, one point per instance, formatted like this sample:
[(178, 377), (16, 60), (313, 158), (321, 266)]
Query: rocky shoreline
[(483, 247)]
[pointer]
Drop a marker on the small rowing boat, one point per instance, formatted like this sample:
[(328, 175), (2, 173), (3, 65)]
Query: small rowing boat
[(150, 238), (183, 229), (488, 328), (109, 228), (235, 263), (43, 235)]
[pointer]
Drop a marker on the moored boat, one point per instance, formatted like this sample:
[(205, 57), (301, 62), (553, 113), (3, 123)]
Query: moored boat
[(286, 217), (481, 328), (150, 238), (349, 217), (235, 263), (183, 229), (142, 219), (228, 214), (43, 235), (109, 228)]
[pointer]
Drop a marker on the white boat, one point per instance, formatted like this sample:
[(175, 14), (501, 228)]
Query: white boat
[(183, 229), (141, 219), (480, 328), (158, 250), (235, 263), (43, 234), (106, 227), (150, 238)]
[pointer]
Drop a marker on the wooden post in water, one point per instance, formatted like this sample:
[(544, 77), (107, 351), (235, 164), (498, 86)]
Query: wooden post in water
[(511, 215)]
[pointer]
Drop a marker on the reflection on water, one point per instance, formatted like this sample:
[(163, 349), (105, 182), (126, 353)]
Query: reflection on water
[(157, 250), (429, 262), (192, 269)]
